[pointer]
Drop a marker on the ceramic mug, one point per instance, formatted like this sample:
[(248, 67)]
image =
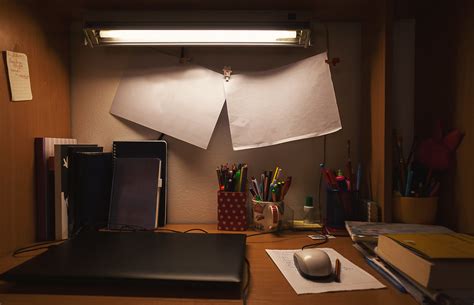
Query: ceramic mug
[(267, 215)]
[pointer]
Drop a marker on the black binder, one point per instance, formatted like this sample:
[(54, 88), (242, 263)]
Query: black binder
[(71, 182), (92, 183)]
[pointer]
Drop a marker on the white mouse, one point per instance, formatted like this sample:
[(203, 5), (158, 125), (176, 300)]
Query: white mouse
[(313, 263)]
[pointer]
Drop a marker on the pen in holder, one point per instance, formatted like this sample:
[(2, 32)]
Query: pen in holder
[(232, 211)]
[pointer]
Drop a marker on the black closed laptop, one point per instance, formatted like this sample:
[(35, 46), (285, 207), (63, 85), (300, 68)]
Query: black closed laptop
[(173, 260)]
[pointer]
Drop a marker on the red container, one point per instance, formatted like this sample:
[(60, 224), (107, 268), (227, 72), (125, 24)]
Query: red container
[(232, 211)]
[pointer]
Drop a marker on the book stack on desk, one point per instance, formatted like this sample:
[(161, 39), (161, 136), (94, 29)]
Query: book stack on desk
[(440, 264), (431, 263)]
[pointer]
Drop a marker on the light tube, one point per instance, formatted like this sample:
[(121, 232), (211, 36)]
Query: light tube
[(199, 36)]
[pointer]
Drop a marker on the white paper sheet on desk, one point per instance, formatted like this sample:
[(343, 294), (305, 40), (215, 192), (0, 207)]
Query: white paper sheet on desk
[(180, 100), (352, 277), (289, 103)]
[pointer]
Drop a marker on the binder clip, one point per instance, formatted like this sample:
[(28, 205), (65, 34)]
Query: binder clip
[(227, 72)]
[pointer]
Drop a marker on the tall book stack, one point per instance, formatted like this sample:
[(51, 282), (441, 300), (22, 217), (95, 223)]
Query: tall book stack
[(437, 263)]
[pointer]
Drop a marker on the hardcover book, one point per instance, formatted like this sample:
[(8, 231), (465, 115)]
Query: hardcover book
[(62, 209), (92, 183), (435, 261)]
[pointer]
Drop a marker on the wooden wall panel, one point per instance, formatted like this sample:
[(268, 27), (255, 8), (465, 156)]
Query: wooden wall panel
[(444, 91), (464, 118), (376, 41), (45, 41), (331, 10)]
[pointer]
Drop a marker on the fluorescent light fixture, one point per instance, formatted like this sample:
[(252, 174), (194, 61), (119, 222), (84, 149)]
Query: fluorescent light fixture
[(203, 37)]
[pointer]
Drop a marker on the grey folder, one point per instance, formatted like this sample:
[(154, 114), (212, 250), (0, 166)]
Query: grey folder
[(135, 194)]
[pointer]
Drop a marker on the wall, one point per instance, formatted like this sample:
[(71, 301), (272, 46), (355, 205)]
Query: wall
[(95, 77), (41, 37)]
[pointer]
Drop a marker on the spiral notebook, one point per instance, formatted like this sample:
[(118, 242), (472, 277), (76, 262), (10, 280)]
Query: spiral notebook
[(147, 149), (135, 197)]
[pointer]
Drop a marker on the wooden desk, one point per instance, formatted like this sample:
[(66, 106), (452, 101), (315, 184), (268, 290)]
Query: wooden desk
[(267, 286)]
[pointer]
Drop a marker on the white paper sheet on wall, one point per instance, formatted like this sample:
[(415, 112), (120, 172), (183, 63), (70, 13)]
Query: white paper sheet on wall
[(19, 76), (289, 103), (180, 100)]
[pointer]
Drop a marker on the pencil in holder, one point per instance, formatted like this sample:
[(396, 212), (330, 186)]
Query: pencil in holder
[(232, 211)]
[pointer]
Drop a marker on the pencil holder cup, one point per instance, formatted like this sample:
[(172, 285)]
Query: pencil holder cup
[(268, 215), (339, 207), (419, 210), (232, 211)]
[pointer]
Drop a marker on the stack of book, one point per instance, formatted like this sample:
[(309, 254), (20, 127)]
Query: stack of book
[(78, 186), (433, 264)]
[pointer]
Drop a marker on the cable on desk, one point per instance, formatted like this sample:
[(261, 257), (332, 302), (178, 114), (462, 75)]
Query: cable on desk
[(167, 230), (280, 231), (137, 228), (35, 247), (260, 233), (122, 227), (324, 153), (125, 227), (323, 241), (42, 245), (196, 229)]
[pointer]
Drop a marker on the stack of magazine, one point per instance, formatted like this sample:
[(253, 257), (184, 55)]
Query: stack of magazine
[(432, 263)]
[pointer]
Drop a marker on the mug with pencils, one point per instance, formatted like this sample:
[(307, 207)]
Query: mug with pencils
[(268, 209), (267, 215)]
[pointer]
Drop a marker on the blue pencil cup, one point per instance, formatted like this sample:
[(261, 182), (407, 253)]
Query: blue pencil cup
[(339, 207)]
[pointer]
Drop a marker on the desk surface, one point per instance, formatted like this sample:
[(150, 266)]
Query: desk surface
[(267, 286)]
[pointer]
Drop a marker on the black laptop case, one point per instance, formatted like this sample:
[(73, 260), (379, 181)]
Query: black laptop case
[(177, 260)]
